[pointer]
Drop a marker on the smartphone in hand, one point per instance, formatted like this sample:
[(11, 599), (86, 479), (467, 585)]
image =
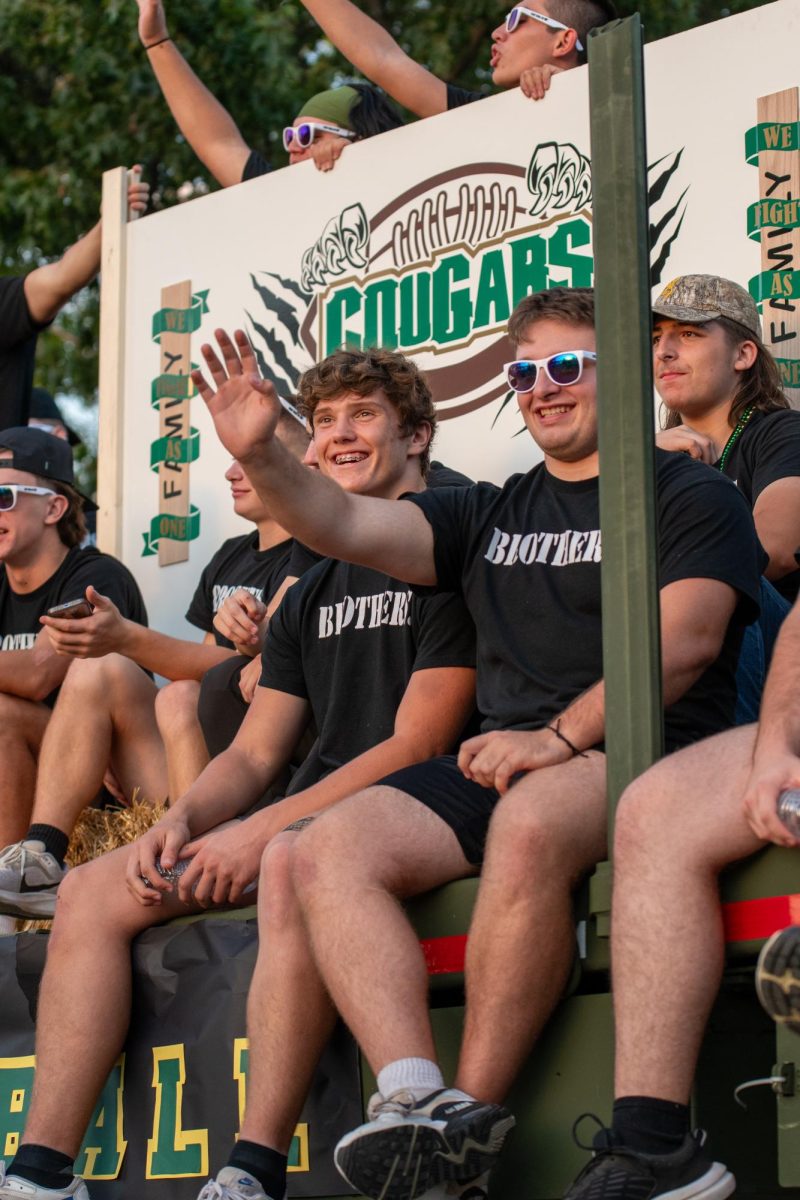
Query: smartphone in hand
[(73, 610)]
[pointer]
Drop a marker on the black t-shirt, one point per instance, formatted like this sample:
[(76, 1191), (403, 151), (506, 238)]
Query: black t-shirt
[(348, 639), (768, 450), (237, 564), (440, 475), (19, 614), (527, 560), (256, 165), (18, 333), (456, 96), (303, 558)]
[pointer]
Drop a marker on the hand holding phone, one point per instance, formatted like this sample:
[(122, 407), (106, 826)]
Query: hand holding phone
[(73, 610)]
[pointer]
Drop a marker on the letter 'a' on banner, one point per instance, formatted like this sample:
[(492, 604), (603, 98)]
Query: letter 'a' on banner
[(778, 148)]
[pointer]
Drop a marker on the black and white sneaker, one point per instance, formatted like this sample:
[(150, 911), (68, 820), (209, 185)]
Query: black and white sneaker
[(408, 1146), (29, 879), (14, 1187), (233, 1184), (778, 977), (616, 1172)]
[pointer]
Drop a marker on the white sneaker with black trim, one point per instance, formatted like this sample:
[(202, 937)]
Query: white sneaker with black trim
[(408, 1145), (29, 879), (12, 1187), (232, 1183)]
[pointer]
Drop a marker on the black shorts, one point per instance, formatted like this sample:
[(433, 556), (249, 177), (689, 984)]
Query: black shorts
[(463, 805)]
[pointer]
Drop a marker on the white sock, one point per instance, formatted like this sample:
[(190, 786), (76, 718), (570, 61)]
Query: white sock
[(417, 1075)]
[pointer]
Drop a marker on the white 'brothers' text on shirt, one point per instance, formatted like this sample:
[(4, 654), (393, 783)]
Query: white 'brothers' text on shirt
[(365, 612), (553, 549)]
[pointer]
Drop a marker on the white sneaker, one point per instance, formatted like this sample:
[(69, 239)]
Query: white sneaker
[(232, 1183), (29, 879), (14, 1188), (409, 1145)]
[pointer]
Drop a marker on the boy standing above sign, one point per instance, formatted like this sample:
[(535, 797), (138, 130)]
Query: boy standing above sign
[(527, 560), (534, 43)]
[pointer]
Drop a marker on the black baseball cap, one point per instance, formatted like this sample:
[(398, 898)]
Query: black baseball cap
[(43, 407), (41, 453)]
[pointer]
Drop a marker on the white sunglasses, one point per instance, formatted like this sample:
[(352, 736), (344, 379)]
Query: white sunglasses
[(10, 491), (303, 135), (519, 11), (562, 369)]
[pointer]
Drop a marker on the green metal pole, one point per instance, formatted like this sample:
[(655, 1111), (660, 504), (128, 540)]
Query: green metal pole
[(631, 628)]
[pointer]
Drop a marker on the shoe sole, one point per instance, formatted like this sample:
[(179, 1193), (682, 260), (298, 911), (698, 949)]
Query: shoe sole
[(717, 1184), (402, 1161), (28, 904), (778, 977)]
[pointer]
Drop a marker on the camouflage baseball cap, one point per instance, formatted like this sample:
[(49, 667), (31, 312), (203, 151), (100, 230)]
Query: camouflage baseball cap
[(698, 298)]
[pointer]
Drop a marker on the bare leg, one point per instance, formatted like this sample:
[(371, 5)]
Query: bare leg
[(677, 826), (289, 1014), (544, 835), (103, 716), (186, 750), (85, 997), (22, 726), (350, 866)]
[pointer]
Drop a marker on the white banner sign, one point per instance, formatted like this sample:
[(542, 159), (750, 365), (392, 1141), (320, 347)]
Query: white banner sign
[(424, 239)]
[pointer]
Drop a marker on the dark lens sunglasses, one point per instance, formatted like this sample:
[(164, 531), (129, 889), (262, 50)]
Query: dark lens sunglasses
[(562, 369)]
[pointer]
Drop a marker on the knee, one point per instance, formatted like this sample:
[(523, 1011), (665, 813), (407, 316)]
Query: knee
[(176, 705), (316, 860), (346, 847), (524, 840), (98, 679), (277, 901), (80, 900), (13, 712), (642, 824)]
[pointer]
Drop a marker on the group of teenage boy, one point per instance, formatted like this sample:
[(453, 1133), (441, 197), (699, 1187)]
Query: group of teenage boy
[(442, 640)]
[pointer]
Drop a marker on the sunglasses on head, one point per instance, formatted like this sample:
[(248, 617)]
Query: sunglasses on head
[(10, 491), (562, 369), (302, 136), (519, 12)]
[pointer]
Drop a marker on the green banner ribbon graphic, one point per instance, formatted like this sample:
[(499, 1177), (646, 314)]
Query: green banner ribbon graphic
[(181, 320), (772, 214), (172, 387), (790, 371), (771, 135), (173, 528), (774, 285), (175, 450)]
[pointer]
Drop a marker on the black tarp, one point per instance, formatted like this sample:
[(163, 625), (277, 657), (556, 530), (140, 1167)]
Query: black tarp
[(170, 1111)]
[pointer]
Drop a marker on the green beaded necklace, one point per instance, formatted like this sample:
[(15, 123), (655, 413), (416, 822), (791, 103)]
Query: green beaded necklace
[(737, 433)]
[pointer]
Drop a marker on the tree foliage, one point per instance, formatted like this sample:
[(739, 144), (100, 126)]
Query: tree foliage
[(77, 96)]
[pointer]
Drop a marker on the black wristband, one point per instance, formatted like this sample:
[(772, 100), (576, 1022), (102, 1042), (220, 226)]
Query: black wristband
[(575, 751), (150, 45)]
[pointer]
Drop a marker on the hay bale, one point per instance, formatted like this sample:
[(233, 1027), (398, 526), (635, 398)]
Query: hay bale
[(99, 830)]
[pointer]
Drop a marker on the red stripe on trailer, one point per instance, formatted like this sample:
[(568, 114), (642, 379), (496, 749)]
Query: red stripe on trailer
[(444, 955), (751, 920)]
